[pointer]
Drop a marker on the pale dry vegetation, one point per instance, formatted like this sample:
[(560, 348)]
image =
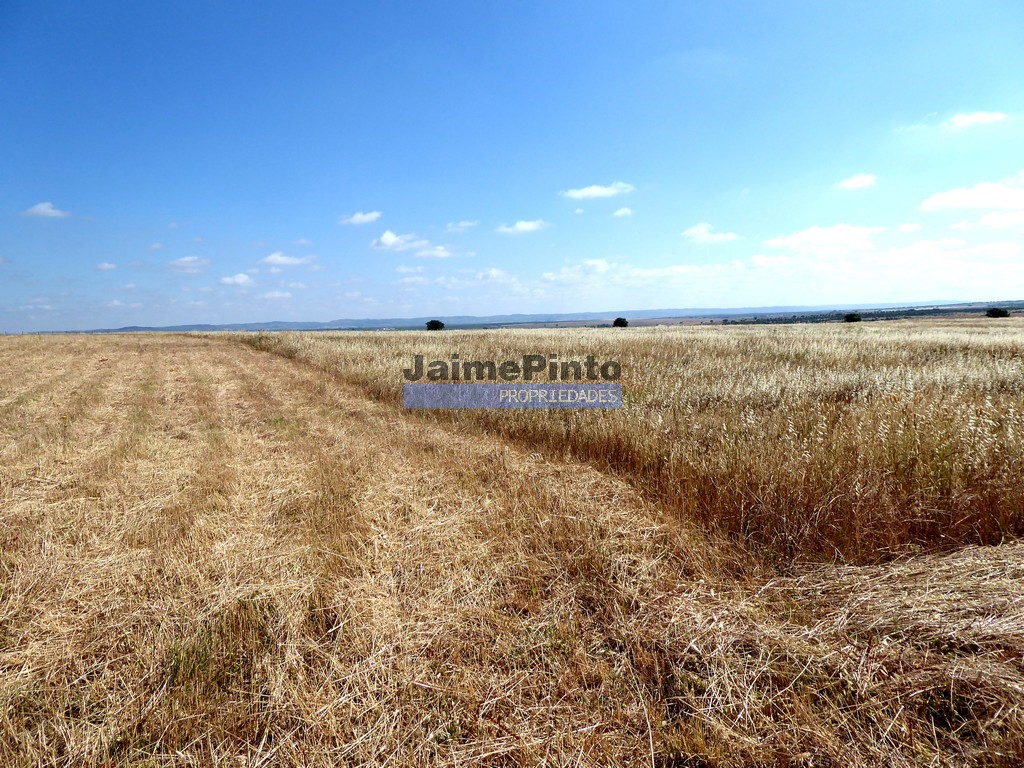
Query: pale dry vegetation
[(217, 556), (813, 442)]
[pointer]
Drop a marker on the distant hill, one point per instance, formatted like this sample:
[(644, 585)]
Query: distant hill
[(739, 314)]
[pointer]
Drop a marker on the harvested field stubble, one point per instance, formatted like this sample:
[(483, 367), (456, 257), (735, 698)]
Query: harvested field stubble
[(810, 442), (216, 556)]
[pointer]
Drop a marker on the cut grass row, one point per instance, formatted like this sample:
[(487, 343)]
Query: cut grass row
[(807, 443)]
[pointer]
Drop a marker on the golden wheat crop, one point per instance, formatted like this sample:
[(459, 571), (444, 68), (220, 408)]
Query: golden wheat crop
[(813, 442)]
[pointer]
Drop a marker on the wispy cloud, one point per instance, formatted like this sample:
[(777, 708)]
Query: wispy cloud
[(106, 266), (360, 217), (701, 233), (597, 190), (406, 270), (461, 226), (910, 227), (272, 295), (302, 241), (969, 119), (390, 241), (155, 246), (622, 212), (1003, 220), (240, 279), (521, 227), (435, 252), (827, 241), (578, 272), (467, 279), (858, 181), (46, 211), (189, 265), (1000, 195), (278, 259)]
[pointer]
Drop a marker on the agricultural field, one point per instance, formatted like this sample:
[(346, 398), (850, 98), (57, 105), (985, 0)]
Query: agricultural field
[(793, 545)]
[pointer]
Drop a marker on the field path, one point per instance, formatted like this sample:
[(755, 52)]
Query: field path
[(213, 555)]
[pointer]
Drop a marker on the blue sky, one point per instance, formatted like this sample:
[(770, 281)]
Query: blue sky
[(185, 162)]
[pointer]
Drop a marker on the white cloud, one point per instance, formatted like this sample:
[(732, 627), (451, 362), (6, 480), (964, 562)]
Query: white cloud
[(910, 227), (461, 226), (105, 266), (858, 181), (298, 286), (46, 211), (470, 279), (577, 273), (189, 265), (701, 233), (115, 303), (1003, 219), (404, 270), (839, 239), (1001, 195), (359, 217), (156, 246), (435, 252), (240, 279), (275, 295), (596, 190), (578, 210), (842, 272), (521, 227), (646, 274), (389, 241), (494, 275), (966, 120), (278, 259), (623, 212), (302, 241)]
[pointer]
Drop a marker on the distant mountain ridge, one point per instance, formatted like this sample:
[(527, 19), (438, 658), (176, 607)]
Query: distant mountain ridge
[(471, 321)]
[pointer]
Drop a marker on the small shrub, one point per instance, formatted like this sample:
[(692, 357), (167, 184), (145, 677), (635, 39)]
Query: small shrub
[(852, 317), (620, 322), (997, 312), (435, 325)]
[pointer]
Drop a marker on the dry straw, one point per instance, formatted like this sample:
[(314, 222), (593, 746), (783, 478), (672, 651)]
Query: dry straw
[(216, 556)]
